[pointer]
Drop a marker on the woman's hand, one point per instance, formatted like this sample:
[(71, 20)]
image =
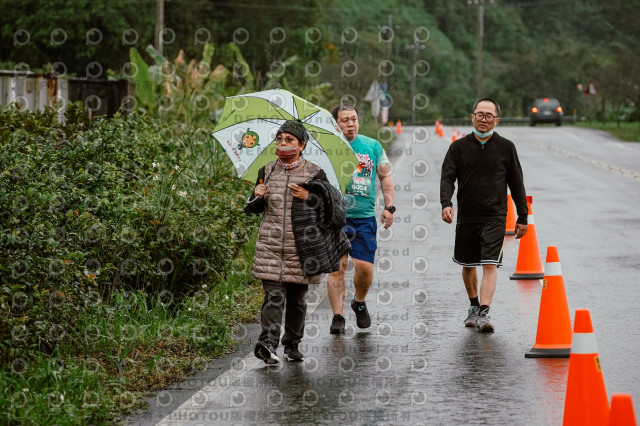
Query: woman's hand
[(260, 190), (298, 191)]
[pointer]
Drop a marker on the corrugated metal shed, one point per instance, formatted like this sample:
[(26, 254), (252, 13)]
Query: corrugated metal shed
[(34, 91)]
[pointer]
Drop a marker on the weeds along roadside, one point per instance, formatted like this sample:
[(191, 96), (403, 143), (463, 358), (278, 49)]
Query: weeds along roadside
[(124, 262)]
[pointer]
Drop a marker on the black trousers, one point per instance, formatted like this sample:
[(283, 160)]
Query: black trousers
[(276, 297)]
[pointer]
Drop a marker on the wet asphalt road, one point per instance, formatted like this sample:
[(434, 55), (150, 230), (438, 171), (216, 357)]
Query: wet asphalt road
[(418, 364)]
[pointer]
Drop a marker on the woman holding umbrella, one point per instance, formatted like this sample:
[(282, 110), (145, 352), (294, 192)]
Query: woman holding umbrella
[(300, 238)]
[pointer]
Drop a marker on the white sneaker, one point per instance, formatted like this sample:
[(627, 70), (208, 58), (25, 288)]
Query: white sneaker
[(484, 323)]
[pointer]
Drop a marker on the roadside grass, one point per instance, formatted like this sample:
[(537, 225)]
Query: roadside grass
[(118, 353), (626, 131)]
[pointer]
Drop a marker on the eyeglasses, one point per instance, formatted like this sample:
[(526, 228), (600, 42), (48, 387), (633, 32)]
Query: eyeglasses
[(488, 117), (287, 140)]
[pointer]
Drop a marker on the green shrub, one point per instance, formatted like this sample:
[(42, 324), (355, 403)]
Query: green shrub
[(126, 204)]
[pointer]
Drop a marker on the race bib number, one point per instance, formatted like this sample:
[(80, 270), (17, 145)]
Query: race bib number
[(360, 183)]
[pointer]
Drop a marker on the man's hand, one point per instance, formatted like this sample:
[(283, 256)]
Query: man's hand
[(447, 214), (520, 230), (387, 218)]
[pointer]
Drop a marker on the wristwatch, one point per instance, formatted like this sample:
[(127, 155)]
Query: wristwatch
[(392, 209)]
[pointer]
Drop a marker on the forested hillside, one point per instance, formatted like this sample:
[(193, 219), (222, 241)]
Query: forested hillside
[(332, 48)]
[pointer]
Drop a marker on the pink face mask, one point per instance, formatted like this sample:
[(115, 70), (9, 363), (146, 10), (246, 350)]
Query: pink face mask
[(286, 154)]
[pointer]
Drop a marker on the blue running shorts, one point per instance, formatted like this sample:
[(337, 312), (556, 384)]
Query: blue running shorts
[(362, 234)]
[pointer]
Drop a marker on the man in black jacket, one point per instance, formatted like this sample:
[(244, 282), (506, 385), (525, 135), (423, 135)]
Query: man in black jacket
[(484, 164)]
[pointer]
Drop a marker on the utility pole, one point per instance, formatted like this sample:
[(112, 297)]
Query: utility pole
[(389, 51), (416, 46), (390, 48), (480, 77), (157, 36)]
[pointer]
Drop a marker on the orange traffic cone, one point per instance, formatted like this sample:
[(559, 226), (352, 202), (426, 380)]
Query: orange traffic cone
[(553, 339), (529, 265), (586, 400), (510, 229), (622, 410), (398, 127)]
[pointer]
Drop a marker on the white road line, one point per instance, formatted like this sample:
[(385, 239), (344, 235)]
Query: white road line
[(239, 368), (586, 160), (619, 145), (571, 135)]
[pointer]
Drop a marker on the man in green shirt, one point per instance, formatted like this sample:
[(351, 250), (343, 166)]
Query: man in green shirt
[(361, 226)]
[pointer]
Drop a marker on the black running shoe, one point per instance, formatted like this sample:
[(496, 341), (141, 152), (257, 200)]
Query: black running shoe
[(266, 352), (337, 325), (292, 353), (363, 320)]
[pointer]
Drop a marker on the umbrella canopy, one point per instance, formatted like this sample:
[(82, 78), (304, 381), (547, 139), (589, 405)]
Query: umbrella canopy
[(248, 126)]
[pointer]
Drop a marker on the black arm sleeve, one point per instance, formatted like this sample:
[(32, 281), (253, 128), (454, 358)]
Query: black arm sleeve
[(321, 175), (448, 178), (515, 181), (255, 204)]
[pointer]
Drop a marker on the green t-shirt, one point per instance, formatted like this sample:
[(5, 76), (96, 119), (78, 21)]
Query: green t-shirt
[(360, 195)]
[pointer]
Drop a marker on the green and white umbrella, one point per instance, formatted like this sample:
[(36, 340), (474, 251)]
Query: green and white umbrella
[(248, 126)]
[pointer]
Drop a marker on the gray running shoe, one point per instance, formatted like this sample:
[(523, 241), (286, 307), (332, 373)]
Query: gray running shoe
[(337, 324), (472, 318), (266, 352), (484, 323), (292, 353), (363, 320)]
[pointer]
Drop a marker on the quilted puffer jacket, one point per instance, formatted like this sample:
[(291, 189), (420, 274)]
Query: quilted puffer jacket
[(276, 256), (313, 241)]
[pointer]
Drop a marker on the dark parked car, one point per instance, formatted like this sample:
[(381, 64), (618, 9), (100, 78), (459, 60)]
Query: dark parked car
[(545, 110)]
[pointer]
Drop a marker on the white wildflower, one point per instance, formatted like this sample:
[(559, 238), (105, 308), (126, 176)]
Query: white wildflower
[(173, 186), (177, 168), (156, 177), (226, 297), (154, 164), (204, 286), (182, 193), (25, 389)]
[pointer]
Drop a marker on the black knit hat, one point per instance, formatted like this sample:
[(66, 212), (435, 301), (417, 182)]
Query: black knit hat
[(295, 128)]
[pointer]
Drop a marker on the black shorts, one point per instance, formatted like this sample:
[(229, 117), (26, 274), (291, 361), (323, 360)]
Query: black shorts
[(479, 244)]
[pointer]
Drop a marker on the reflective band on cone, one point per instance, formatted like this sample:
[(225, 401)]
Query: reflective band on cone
[(552, 269), (584, 343)]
